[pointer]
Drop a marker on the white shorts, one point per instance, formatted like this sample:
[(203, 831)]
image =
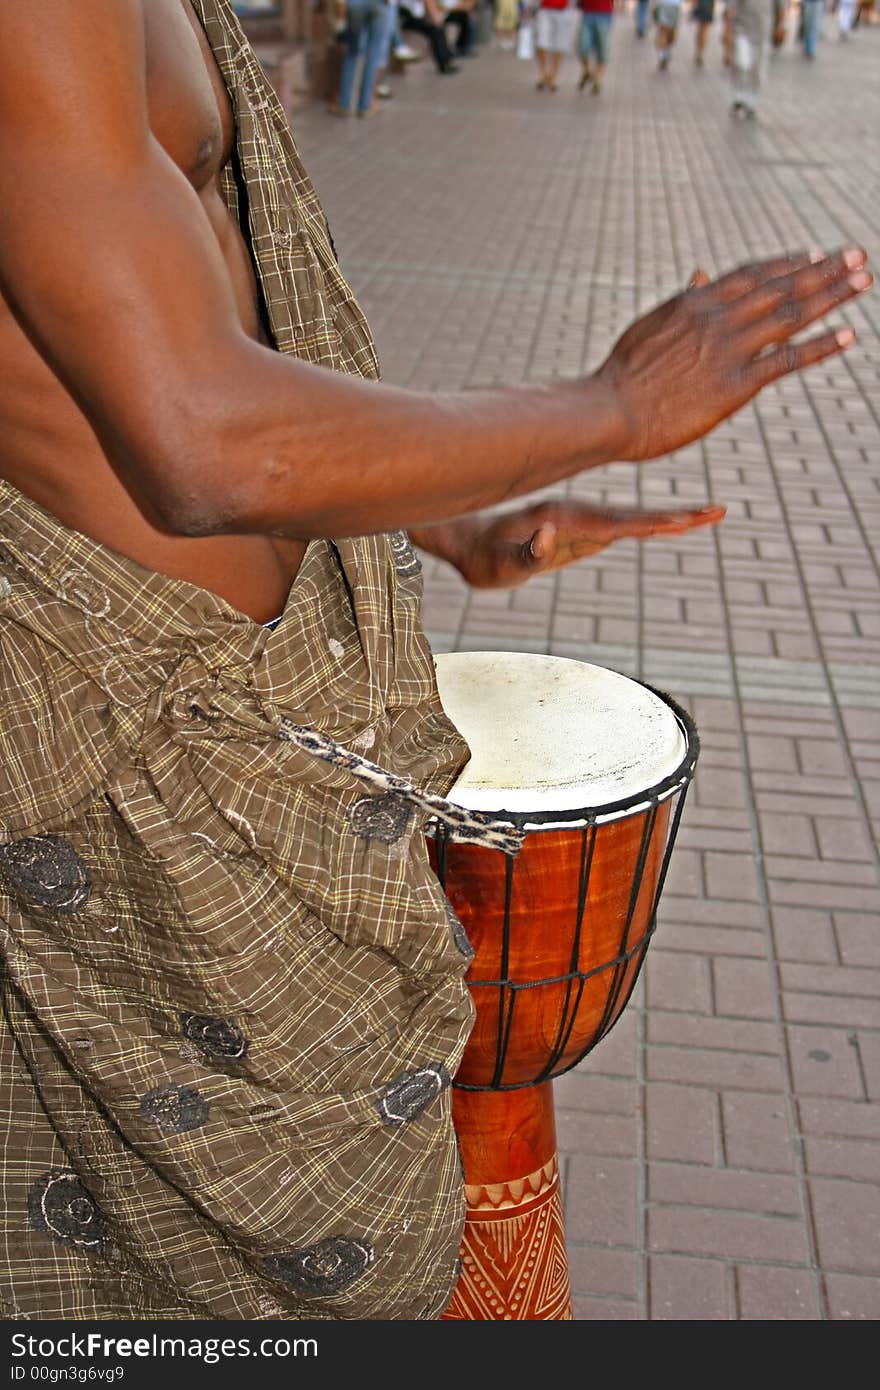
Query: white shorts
[(554, 30)]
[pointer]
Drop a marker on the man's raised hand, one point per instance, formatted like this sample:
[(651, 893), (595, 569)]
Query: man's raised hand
[(696, 359)]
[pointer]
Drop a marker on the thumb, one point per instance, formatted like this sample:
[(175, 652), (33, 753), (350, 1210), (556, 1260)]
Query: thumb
[(542, 544)]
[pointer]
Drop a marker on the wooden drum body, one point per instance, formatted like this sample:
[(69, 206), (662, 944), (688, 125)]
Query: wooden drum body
[(593, 767)]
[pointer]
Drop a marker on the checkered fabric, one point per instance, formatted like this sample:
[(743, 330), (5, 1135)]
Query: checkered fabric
[(233, 991)]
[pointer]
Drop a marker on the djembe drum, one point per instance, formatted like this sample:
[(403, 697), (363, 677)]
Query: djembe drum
[(593, 767)]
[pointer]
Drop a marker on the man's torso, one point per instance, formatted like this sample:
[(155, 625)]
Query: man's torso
[(49, 449)]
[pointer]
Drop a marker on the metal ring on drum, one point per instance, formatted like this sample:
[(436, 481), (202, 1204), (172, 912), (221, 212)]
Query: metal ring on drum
[(594, 767)]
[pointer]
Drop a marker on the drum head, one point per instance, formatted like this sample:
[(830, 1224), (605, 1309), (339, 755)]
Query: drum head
[(547, 733)]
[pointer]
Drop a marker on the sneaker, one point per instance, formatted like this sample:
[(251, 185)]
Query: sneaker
[(404, 54), (383, 90), (664, 62)]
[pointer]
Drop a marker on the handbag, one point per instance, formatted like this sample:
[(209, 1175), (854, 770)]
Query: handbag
[(525, 40)]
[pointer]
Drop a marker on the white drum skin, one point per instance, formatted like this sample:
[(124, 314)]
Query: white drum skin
[(549, 733)]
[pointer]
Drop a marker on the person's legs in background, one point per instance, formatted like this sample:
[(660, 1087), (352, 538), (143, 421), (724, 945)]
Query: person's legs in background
[(665, 40), (375, 53), (703, 15), (753, 25), (440, 50), (391, 33), (642, 7), (505, 20), (542, 51), (464, 43), (666, 17), (365, 45), (354, 40), (550, 31), (585, 51), (593, 40), (811, 25)]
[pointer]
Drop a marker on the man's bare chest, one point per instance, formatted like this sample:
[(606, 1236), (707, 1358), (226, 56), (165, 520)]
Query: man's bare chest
[(189, 108)]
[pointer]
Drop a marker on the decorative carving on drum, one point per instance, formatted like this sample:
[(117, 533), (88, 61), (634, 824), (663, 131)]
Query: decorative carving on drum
[(594, 767)]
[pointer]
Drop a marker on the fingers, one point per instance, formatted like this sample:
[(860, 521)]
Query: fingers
[(640, 525), (698, 280), (746, 278), (794, 357), (813, 268), (577, 536), (795, 304)]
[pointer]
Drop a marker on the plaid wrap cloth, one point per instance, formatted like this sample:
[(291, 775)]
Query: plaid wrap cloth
[(233, 990)]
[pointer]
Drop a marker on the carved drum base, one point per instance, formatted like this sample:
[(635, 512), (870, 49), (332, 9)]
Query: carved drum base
[(514, 1260)]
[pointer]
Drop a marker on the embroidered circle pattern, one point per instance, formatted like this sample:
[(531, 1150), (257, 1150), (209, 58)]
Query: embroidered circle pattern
[(218, 1037), (325, 1268), (410, 1093), (60, 1206), (175, 1109), (459, 935), (47, 870), (382, 818), (406, 561)]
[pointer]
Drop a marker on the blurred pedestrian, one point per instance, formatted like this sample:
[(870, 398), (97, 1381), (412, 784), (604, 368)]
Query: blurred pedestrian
[(780, 23), (642, 8), (505, 21), (593, 40), (703, 14), (382, 88), (365, 39), (752, 30), (554, 37), (666, 19), (810, 31), (462, 15), (427, 17), (727, 34)]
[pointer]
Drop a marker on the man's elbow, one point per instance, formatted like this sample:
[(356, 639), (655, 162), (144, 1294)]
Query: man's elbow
[(197, 489), (190, 515)]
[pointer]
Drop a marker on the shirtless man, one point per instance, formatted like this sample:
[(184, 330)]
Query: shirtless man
[(234, 997)]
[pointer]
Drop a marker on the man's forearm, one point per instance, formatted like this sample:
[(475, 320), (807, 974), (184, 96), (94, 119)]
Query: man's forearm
[(357, 456)]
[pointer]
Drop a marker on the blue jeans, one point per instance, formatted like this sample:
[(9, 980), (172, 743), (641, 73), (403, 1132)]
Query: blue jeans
[(367, 34), (812, 12), (641, 17), (593, 38)]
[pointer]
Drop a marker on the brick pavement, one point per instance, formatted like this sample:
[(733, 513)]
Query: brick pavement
[(720, 1146)]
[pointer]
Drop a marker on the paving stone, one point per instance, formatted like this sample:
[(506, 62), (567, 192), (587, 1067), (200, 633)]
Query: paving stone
[(601, 1203), (824, 1062), (742, 1235), (757, 1131), (768, 1294), (682, 1124), (847, 1219), (851, 1297), (689, 1290), (693, 1185)]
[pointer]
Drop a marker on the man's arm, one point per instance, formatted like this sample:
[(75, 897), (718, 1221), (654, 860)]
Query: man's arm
[(110, 264)]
